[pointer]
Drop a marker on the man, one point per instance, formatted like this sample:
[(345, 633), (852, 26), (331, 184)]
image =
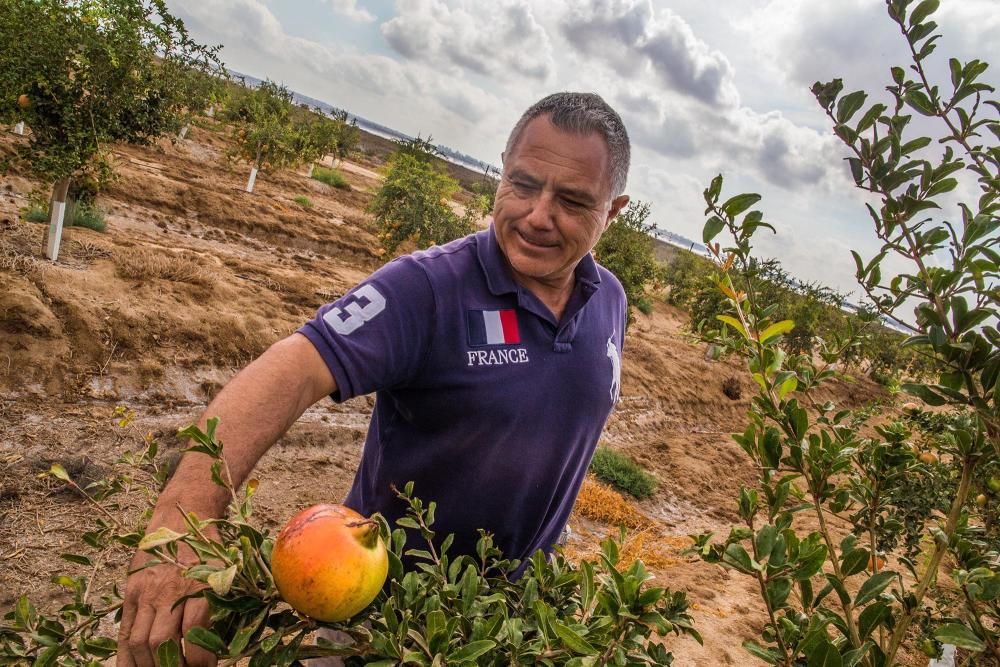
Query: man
[(495, 359)]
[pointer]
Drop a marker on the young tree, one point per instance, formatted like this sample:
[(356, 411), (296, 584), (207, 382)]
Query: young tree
[(835, 599), (626, 249), (264, 130), (412, 203), (88, 75)]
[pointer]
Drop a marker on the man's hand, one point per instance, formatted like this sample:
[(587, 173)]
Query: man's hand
[(149, 617), (255, 409)]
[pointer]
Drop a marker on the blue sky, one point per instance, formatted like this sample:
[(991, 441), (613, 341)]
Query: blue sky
[(704, 87)]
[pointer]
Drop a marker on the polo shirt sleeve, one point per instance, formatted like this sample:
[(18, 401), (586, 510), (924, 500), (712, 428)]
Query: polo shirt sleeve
[(376, 336)]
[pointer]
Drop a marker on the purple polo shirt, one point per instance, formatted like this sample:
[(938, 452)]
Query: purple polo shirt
[(491, 407)]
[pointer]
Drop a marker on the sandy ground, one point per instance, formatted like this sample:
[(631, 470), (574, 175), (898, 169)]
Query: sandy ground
[(194, 277)]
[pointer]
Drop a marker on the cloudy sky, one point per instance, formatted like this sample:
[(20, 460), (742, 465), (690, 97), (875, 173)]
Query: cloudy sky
[(703, 86)]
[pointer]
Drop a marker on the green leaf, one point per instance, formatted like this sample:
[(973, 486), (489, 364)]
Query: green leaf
[(222, 580), (736, 205), (78, 559), (920, 102), (825, 655), (849, 104), (924, 393), (854, 562), (24, 613), (923, 10), (734, 323), (776, 329), (770, 656), (572, 639), (471, 651), (713, 226), (737, 557), (960, 636), (206, 639), (158, 538), (873, 587), (168, 654)]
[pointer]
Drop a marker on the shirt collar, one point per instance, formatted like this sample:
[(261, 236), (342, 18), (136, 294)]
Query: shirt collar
[(498, 276)]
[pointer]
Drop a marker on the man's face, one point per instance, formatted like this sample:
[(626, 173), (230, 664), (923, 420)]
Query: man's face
[(553, 203)]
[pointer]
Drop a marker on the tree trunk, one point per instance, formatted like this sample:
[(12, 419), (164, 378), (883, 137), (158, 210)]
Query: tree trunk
[(19, 127), (252, 179), (57, 210)]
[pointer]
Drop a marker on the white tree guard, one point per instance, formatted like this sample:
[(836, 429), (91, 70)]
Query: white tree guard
[(210, 111), (183, 132), (947, 658), (55, 229), (312, 165), (252, 180), (19, 127)]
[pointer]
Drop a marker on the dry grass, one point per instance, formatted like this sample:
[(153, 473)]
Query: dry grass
[(643, 541), (602, 503), (142, 264), (19, 244)]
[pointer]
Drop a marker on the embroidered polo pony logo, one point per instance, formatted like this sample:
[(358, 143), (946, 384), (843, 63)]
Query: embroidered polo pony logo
[(616, 368)]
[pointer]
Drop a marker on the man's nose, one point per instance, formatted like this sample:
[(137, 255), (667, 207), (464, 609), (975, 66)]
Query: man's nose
[(543, 210)]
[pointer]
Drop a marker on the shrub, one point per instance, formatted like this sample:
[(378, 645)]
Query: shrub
[(302, 200), (331, 177), (412, 204), (461, 609), (621, 472), (626, 249)]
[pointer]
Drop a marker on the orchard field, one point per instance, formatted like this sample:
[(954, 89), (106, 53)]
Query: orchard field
[(194, 277), (783, 481)]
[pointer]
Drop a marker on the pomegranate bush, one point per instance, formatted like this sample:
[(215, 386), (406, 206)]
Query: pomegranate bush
[(449, 609)]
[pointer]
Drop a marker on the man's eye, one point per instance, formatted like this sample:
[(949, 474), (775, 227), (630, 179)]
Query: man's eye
[(571, 203)]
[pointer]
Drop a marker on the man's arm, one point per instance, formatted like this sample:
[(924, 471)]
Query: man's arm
[(254, 410)]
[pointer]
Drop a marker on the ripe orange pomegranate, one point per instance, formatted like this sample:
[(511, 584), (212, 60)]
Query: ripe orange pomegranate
[(23, 101), (329, 562), (928, 458), (911, 408)]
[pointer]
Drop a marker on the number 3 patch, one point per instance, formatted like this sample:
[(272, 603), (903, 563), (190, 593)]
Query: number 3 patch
[(356, 314)]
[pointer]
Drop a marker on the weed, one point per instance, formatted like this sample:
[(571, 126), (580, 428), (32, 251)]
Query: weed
[(302, 200), (143, 265), (76, 215), (621, 472), (331, 177)]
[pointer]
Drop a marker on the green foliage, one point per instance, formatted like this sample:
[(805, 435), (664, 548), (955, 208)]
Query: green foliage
[(457, 610), (331, 177), (302, 200), (264, 134), (621, 472), (77, 215), (95, 74), (904, 486), (412, 204), (626, 249)]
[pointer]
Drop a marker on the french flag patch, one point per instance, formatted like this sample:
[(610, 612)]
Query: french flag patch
[(493, 327)]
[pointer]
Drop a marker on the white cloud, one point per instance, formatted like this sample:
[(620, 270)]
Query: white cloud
[(633, 38), (350, 9), (501, 40)]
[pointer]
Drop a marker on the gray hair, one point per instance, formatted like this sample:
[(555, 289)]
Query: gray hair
[(583, 113)]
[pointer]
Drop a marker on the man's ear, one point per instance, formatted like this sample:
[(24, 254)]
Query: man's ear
[(617, 204)]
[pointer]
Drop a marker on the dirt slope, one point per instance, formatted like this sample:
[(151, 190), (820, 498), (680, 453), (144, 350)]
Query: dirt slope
[(194, 277)]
